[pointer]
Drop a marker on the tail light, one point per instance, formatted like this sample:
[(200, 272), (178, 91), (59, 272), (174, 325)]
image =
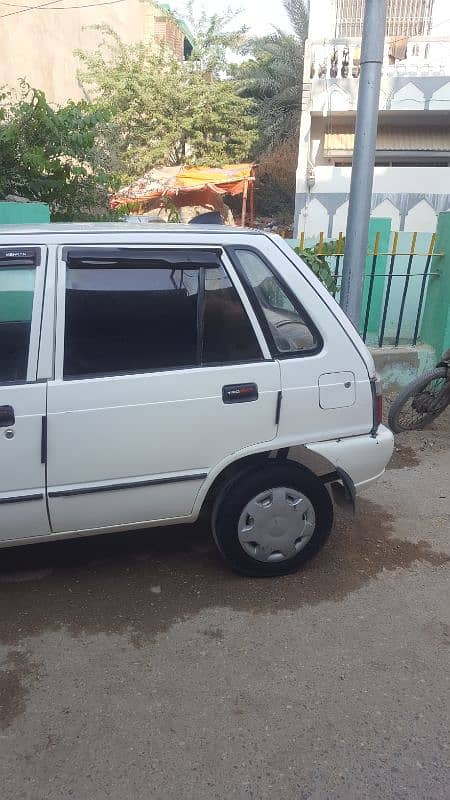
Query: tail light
[(377, 400)]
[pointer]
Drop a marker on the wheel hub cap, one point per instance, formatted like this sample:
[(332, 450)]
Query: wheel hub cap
[(276, 524)]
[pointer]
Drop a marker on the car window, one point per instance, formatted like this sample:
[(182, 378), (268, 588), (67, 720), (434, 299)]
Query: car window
[(130, 320), (289, 328), (138, 317), (228, 333), (16, 306)]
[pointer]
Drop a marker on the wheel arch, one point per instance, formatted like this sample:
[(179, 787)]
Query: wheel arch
[(299, 455)]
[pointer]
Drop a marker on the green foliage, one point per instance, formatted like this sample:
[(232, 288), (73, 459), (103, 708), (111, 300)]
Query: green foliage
[(214, 36), (318, 263), (272, 76), (147, 109), (164, 112), (173, 213), (51, 155)]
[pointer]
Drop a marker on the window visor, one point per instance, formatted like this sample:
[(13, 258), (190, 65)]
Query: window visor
[(92, 258)]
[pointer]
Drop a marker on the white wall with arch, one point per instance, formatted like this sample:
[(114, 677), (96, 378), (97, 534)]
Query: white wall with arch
[(340, 220), (421, 217), (387, 209), (408, 97), (313, 218)]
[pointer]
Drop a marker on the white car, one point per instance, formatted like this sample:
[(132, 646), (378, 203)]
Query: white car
[(150, 375)]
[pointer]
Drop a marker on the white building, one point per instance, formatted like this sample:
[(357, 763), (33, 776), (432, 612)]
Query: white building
[(412, 172)]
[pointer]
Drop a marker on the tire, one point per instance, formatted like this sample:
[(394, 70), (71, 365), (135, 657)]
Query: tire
[(396, 424), (292, 519)]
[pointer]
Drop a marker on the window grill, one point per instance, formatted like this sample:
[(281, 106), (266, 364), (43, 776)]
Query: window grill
[(404, 18)]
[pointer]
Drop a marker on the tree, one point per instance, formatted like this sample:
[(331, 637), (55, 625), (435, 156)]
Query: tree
[(273, 75), (51, 155), (163, 111), (214, 37)]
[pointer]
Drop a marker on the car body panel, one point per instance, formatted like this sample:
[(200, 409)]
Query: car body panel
[(137, 450)]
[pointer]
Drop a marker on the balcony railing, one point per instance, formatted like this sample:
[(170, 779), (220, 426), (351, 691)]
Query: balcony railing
[(340, 58)]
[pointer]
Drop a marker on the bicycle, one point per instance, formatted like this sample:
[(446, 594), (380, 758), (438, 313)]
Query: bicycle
[(423, 400)]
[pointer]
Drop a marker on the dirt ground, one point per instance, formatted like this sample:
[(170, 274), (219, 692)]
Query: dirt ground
[(410, 446), (138, 666)]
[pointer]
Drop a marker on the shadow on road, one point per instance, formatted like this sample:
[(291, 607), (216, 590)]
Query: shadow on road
[(142, 583)]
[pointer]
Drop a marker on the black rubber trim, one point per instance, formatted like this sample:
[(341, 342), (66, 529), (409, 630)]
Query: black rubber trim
[(278, 408), (44, 441), (200, 316), (19, 257), (283, 454), (24, 498), (373, 390), (115, 487), (139, 257), (329, 477), (348, 485)]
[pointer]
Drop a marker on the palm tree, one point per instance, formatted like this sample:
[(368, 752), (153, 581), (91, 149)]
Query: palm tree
[(273, 77)]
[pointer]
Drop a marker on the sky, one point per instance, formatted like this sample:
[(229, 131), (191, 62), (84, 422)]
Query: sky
[(260, 16)]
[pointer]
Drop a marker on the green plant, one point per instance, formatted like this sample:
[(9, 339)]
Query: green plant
[(272, 76), (173, 213), (162, 111), (214, 36), (316, 259), (52, 155)]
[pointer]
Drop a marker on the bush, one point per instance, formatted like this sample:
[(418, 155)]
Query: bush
[(275, 186), (318, 263)]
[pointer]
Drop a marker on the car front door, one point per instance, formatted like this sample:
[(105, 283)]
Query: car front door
[(23, 511), (162, 374)]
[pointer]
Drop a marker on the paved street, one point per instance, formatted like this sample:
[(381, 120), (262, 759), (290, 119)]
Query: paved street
[(138, 666)]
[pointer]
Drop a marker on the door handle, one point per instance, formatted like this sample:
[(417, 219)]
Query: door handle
[(7, 416), (240, 393)]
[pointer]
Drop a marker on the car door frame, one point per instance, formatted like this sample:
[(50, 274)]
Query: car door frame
[(58, 364), (60, 282), (22, 502)]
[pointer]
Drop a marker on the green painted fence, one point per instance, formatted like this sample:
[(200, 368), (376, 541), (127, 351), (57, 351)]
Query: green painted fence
[(435, 328), (23, 213), (406, 295)]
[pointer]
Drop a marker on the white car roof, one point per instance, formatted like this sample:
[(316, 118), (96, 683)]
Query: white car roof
[(70, 228)]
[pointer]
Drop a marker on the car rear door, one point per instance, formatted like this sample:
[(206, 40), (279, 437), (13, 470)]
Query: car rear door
[(23, 512), (162, 373)]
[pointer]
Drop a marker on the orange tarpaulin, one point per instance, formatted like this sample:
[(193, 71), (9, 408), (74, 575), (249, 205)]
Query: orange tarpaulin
[(227, 180), (172, 181)]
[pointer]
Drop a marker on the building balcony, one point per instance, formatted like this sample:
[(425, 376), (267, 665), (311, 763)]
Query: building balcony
[(340, 58), (415, 75)]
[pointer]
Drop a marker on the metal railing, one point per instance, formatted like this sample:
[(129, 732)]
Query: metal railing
[(396, 280), (340, 57)]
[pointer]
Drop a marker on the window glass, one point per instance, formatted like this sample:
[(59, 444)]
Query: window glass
[(16, 306), (290, 331), (130, 320), (228, 333)]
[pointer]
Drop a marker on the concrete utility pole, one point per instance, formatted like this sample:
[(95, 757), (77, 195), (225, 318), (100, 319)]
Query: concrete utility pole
[(372, 50)]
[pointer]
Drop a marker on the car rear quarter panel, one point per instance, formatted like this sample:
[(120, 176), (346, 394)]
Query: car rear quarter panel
[(302, 417)]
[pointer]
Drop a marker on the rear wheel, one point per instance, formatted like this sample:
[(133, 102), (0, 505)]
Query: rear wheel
[(271, 520), (421, 402)]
